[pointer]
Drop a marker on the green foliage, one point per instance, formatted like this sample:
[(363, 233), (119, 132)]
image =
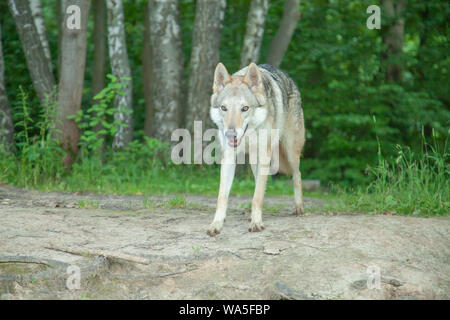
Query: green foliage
[(38, 160), (338, 65), (102, 112)]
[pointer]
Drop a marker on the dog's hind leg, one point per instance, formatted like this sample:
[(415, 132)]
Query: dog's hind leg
[(258, 198), (293, 158), (262, 171), (298, 194), (294, 146)]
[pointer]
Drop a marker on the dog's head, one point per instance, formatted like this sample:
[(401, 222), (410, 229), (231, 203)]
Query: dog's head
[(237, 102)]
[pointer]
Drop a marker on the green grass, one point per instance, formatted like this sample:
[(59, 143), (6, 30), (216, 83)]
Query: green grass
[(415, 183), (412, 184), (88, 204), (177, 202), (149, 203)]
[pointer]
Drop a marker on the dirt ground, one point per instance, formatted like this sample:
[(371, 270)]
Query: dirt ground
[(316, 256)]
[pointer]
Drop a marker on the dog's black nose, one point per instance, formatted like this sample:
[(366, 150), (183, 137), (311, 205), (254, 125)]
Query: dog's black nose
[(230, 134)]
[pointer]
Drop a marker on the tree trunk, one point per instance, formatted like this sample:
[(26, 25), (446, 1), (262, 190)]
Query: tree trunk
[(98, 71), (36, 12), (280, 42), (254, 32), (60, 7), (204, 58), (393, 39), (73, 60), (147, 74), (37, 62), (120, 66), (167, 67), (6, 120)]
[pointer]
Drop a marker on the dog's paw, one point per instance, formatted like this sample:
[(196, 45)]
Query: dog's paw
[(214, 229), (299, 211), (256, 226)]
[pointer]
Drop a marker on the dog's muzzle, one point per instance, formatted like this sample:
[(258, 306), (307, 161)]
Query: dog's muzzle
[(232, 137)]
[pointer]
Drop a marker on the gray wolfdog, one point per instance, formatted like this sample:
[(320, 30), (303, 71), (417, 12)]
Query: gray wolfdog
[(253, 99)]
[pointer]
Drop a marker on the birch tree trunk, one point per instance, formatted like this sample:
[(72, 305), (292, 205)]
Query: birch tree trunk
[(37, 62), (6, 120), (254, 32), (120, 66), (99, 33), (280, 43), (36, 12), (147, 74), (393, 38), (73, 60), (167, 67), (204, 58)]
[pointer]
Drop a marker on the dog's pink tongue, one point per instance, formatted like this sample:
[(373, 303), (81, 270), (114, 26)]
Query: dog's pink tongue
[(233, 142)]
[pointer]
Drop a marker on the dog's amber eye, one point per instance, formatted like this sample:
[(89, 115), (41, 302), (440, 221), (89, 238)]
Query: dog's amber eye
[(244, 109), (223, 108)]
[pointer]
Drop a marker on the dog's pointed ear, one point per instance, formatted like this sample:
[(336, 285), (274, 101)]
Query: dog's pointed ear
[(221, 77), (253, 78)]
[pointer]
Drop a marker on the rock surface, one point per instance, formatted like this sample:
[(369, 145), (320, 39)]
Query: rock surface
[(316, 256)]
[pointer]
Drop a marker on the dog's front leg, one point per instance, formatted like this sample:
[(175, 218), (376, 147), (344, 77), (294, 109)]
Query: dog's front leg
[(227, 169)]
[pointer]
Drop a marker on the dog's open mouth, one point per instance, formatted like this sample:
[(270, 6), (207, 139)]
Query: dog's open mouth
[(234, 142)]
